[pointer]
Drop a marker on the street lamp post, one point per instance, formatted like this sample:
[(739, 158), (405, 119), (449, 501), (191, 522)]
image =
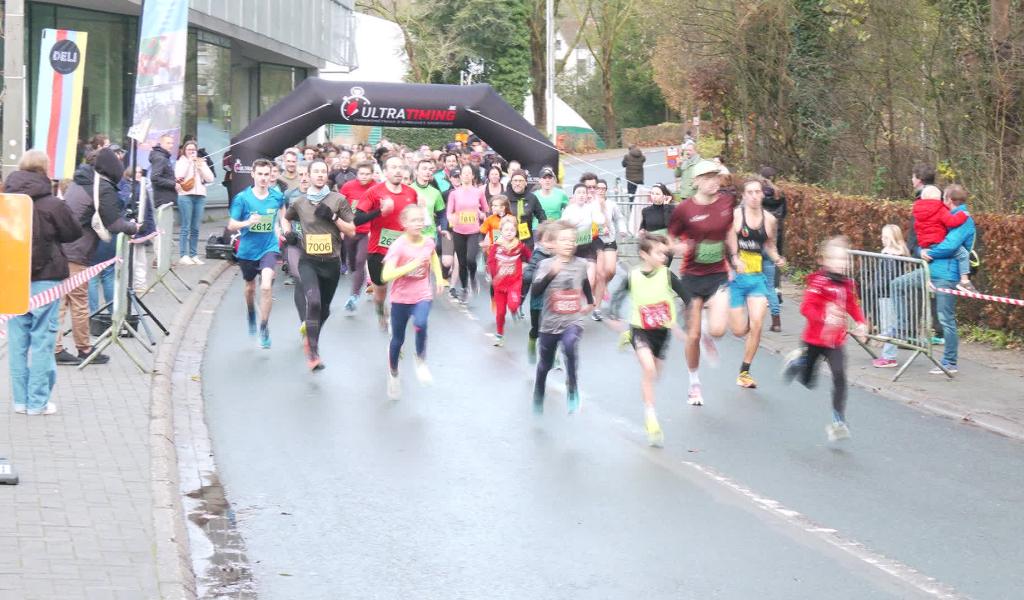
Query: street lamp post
[(549, 28)]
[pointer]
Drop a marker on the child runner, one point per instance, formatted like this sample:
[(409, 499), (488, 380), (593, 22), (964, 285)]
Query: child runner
[(409, 262), (490, 230), (563, 284), (255, 212), (830, 298), (505, 260), (702, 225), (652, 290), (356, 245), (543, 248)]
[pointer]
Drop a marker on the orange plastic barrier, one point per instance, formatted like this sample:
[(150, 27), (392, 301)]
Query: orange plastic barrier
[(15, 253)]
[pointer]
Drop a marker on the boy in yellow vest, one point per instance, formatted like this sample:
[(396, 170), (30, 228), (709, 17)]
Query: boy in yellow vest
[(653, 289)]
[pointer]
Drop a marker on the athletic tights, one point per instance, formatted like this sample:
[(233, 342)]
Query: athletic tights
[(318, 280), (467, 248), (501, 306), (400, 315), (355, 253), (570, 340), (837, 364)]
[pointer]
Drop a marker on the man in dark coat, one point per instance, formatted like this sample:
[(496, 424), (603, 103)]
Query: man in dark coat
[(161, 173), (634, 164)]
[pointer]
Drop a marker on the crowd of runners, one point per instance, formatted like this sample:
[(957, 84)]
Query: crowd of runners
[(407, 226)]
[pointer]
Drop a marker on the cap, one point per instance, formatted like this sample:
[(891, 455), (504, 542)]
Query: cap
[(547, 172), (454, 173), (115, 148), (706, 167)]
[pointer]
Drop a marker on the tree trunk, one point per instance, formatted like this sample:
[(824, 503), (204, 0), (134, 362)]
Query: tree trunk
[(538, 65), (610, 123)]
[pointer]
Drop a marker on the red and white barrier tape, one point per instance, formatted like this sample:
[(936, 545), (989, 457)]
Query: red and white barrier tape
[(146, 238), (60, 290), (976, 296)]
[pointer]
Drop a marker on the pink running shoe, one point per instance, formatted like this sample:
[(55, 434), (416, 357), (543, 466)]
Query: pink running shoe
[(883, 363)]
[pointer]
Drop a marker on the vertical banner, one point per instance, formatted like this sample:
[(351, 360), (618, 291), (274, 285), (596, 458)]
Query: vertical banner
[(59, 98), (160, 75)]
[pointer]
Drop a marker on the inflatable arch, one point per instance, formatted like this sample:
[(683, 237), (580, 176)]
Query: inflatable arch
[(316, 102)]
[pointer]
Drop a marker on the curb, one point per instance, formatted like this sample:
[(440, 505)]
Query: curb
[(175, 578)]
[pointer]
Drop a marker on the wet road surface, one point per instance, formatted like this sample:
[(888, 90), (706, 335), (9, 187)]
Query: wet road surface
[(458, 491)]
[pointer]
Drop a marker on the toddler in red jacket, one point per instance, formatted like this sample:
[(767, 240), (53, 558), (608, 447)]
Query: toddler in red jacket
[(932, 220), (829, 300)]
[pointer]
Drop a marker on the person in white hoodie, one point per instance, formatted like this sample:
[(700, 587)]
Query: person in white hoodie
[(191, 174)]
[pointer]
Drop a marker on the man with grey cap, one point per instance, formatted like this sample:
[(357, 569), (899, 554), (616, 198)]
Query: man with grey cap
[(685, 172), (701, 224)]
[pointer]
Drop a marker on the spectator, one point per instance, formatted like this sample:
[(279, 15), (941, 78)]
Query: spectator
[(922, 175), (161, 173), (684, 172), (775, 203), (79, 253), (192, 174), (32, 335), (634, 164)]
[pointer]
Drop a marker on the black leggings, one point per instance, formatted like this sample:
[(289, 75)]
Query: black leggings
[(318, 280), (467, 248), (837, 364), (570, 340)]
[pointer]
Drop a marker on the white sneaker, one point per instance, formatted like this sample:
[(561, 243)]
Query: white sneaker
[(423, 373), (20, 409), (51, 408), (836, 431), (394, 386), (197, 261), (186, 260), (695, 398)]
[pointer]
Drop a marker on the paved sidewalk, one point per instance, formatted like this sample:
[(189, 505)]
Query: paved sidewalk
[(988, 391), (80, 523)]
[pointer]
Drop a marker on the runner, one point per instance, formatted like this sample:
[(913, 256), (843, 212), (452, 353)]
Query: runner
[(585, 214), (380, 207), (505, 260), (562, 283), (701, 225), (466, 211), (753, 231), (323, 215), (525, 206), (356, 246), (254, 212), (428, 197), (552, 199), (606, 243), (545, 235), (409, 261), (830, 298), (652, 290)]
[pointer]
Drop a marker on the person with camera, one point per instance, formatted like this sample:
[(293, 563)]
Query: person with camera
[(191, 174)]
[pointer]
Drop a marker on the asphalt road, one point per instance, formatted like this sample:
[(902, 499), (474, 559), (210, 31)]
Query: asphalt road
[(459, 491)]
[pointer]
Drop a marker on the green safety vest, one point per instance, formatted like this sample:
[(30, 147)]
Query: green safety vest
[(653, 299)]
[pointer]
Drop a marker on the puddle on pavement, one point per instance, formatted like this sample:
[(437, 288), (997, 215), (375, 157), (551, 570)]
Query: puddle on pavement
[(218, 551)]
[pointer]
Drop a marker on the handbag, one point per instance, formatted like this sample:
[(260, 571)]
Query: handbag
[(97, 222), (188, 184)]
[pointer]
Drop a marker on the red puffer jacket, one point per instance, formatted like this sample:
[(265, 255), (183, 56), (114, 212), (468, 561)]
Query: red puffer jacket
[(825, 289), (932, 220)]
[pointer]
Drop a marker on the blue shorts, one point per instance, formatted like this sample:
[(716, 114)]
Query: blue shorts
[(252, 268), (745, 285)]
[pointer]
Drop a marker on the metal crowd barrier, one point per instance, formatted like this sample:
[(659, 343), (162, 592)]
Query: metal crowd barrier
[(894, 294)]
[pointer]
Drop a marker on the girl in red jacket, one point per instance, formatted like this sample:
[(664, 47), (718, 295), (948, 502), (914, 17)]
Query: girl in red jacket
[(505, 260), (830, 298)]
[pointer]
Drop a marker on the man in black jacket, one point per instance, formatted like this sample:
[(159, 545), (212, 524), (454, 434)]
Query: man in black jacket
[(79, 198), (161, 172)]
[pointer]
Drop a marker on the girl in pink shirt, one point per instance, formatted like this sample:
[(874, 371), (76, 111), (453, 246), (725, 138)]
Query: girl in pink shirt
[(467, 209), (408, 264)]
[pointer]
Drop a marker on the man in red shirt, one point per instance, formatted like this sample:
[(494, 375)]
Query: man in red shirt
[(380, 207), (701, 225), (357, 246)]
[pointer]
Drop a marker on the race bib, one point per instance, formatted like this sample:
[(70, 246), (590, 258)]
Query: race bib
[(468, 217), (318, 244), (584, 237), (265, 225), (655, 316), (388, 237), (564, 302), (752, 261), (506, 269), (709, 252), (524, 231)]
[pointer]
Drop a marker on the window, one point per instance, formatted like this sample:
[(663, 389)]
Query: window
[(276, 82)]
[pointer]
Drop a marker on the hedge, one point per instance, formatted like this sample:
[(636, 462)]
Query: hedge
[(815, 214)]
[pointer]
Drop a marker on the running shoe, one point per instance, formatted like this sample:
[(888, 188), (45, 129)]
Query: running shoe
[(967, 286), (793, 364), (302, 329), (423, 373), (884, 363), (707, 343), (695, 398), (197, 261), (499, 340), (20, 409), (937, 341), (49, 409), (745, 380), (252, 324), (538, 404), (454, 293), (99, 359), (655, 437), (352, 303), (596, 315), (573, 400), (315, 364), (288, 281), (837, 430), (394, 386), (344, 269), (950, 368), (66, 358), (185, 260), (265, 337), (531, 351)]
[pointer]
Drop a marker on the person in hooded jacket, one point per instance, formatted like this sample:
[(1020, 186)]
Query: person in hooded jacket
[(79, 198), (634, 164), (32, 335), (161, 173)]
